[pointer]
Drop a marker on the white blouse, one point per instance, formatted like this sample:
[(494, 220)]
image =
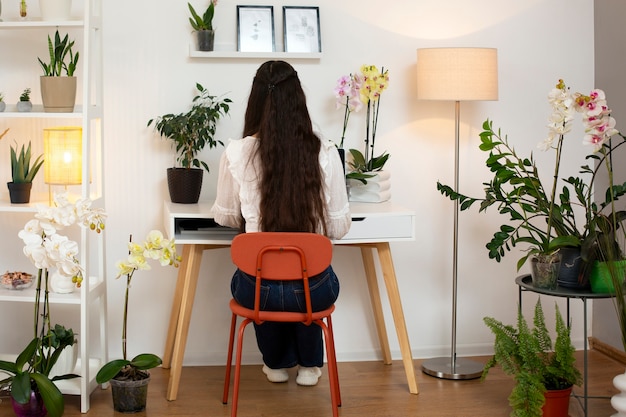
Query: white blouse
[(238, 188)]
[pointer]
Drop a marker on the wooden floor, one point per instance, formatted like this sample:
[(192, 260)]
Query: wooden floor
[(367, 388)]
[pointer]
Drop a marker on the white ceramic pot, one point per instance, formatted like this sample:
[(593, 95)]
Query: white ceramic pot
[(377, 189), (66, 362), (618, 401), (61, 284), (55, 9)]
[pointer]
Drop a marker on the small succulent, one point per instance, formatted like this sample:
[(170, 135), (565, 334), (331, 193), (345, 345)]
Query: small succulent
[(25, 96)]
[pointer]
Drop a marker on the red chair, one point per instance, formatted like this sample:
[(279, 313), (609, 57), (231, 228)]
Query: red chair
[(281, 256)]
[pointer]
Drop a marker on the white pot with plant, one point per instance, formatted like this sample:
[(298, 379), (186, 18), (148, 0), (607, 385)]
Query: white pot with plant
[(3, 105), (58, 91), (367, 180), (55, 10)]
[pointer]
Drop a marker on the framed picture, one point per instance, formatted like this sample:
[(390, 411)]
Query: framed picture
[(255, 29), (301, 27)]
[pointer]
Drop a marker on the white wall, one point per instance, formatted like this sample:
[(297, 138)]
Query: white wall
[(148, 72)]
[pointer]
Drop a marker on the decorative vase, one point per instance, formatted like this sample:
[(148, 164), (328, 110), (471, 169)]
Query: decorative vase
[(19, 192), (33, 408), (55, 9), (557, 403), (618, 401), (66, 362), (24, 106), (205, 40), (545, 270), (130, 396), (600, 276), (377, 189), (58, 94), (61, 284), (184, 184), (573, 272), (3, 105)]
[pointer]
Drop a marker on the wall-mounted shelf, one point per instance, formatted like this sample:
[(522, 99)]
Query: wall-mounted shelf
[(21, 24), (193, 53)]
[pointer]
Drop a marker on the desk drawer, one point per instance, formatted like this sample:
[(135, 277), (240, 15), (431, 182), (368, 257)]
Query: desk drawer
[(380, 228)]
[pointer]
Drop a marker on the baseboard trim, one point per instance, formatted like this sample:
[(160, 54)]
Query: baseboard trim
[(607, 350)]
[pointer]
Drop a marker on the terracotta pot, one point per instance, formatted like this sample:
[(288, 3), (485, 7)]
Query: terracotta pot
[(557, 403)]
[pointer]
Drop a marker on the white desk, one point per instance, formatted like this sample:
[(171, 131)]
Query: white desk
[(374, 226)]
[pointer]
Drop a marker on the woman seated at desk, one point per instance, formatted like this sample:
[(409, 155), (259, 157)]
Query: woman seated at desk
[(281, 177)]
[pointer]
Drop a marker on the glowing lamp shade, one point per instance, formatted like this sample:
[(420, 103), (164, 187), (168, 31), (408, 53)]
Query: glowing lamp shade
[(457, 74), (63, 155)]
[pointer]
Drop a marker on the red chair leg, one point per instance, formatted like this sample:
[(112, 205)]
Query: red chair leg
[(332, 368), (229, 361), (332, 349), (242, 328)]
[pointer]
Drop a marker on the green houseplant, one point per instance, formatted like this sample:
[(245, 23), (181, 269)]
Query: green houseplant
[(24, 104), (528, 355), (544, 218), (130, 378), (190, 132), (203, 26), (23, 173), (29, 378), (58, 91)]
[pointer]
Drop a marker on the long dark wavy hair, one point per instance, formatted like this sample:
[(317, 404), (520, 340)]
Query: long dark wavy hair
[(291, 185)]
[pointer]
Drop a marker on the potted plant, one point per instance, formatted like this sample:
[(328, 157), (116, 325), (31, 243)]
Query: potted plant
[(23, 174), (353, 91), (203, 26), (58, 92), (24, 104), (190, 132), (30, 382), (129, 378), (540, 217), (3, 105), (537, 365)]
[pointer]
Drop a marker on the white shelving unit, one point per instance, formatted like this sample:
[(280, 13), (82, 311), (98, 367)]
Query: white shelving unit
[(91, 298)]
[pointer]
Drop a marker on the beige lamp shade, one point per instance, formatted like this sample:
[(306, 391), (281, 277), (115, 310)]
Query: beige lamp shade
[(63, 163), (457, 74)]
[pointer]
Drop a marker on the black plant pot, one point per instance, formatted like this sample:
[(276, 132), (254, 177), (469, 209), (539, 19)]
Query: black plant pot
[(184, 184), (573, 272), (19, 192)]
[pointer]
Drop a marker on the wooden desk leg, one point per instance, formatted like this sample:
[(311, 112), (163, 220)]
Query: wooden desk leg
[(178, 295), (389, 275), (379, 318), (190, 280)]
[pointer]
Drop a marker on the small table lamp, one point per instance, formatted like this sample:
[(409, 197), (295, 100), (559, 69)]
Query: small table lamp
[(456, 74), (63, 155)]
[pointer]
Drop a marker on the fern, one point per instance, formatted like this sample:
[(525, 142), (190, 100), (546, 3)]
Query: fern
[(527, 355)]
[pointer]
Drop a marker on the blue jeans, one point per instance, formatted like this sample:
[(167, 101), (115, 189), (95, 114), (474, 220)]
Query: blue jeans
[(284, 345)]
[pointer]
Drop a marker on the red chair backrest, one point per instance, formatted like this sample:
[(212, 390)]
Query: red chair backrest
[(281, 255)]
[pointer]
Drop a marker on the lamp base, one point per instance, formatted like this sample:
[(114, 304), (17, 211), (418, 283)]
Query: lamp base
[(445, 369)]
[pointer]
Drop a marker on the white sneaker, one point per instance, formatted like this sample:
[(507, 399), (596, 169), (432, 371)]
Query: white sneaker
[(308, 376), (275, 375)]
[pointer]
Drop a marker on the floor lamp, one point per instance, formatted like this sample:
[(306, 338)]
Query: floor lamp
[(456, 74)]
